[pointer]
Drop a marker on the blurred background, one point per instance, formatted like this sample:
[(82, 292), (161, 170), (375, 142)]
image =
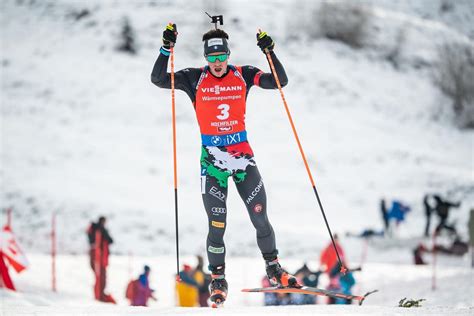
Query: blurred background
[(382, 94)]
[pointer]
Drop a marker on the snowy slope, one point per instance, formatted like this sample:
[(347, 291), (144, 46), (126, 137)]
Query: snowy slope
[(454, 293), (84, 133)]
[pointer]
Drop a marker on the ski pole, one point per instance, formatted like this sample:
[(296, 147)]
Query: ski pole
[(175, 166), (277, 80)]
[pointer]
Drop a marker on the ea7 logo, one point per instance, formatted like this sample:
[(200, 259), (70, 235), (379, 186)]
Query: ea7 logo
[(217, 194)]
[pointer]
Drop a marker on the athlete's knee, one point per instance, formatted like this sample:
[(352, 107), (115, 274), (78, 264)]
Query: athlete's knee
[(262, 224)]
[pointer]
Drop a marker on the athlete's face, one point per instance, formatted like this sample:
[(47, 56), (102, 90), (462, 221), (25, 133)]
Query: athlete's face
[(217, 67)]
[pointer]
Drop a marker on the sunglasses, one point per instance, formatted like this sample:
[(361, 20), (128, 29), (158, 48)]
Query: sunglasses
[(213, 58)]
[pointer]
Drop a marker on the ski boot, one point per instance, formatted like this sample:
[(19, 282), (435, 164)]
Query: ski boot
[(279, 277), (218, 288)]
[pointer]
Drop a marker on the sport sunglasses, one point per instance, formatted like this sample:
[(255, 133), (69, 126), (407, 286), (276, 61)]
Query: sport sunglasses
[(213, 58)]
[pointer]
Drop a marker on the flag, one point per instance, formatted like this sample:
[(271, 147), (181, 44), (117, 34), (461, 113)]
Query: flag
[(11, 251)]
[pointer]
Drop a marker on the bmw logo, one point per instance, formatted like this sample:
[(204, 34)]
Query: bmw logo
[(216, 140)]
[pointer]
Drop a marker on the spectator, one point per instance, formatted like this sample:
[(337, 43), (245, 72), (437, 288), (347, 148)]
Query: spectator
[(139, 290), (367, 233), (457, 248), (346, 282), (384, 211), (428, 203), (204, 280), (396, 213), (187, 288), (329, 262), (418, 254), (307, 278), (99, 241), (328, 258), (442, 208)]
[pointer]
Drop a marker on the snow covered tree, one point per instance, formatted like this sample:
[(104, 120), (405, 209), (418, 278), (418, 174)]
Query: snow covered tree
[(127, 37), (344, 21), (454, 75)]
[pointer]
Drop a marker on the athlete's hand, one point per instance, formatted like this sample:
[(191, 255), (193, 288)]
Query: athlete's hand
[(265, 42), (169, 35)]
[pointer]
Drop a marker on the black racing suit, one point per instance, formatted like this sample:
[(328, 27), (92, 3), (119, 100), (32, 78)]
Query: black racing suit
[(220, 162)]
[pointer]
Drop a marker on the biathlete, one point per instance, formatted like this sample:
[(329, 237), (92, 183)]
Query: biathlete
[(219, 92)]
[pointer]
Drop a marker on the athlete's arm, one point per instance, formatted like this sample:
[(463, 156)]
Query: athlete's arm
[(185, 79), (254, 76)]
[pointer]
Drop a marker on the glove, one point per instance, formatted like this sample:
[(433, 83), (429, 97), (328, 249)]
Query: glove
[(265, 42), (169, 36)]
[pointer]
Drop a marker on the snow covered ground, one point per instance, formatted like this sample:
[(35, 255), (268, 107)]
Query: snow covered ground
[(84, 133), (394, 282)]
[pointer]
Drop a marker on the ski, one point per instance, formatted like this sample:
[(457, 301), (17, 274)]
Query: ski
[(311, 291)]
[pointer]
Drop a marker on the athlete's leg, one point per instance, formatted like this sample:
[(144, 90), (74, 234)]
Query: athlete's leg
[(252, 191), (214, 195)]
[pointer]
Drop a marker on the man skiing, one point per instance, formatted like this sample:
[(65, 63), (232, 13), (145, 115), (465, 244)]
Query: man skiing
[(218, 92)]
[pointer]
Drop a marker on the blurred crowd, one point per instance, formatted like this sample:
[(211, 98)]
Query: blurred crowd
[(445, 238), (193, 288)]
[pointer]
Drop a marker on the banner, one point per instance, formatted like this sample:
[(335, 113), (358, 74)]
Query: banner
[(11, 250)]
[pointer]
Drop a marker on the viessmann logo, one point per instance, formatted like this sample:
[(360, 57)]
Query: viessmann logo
[(218, 89)]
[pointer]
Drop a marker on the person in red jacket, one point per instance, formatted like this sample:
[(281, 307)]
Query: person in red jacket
[(330, 263), (218, 93), (328, 258), (99, 241)]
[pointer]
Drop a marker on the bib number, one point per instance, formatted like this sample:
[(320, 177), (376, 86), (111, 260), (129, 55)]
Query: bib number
[(224, 111)]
